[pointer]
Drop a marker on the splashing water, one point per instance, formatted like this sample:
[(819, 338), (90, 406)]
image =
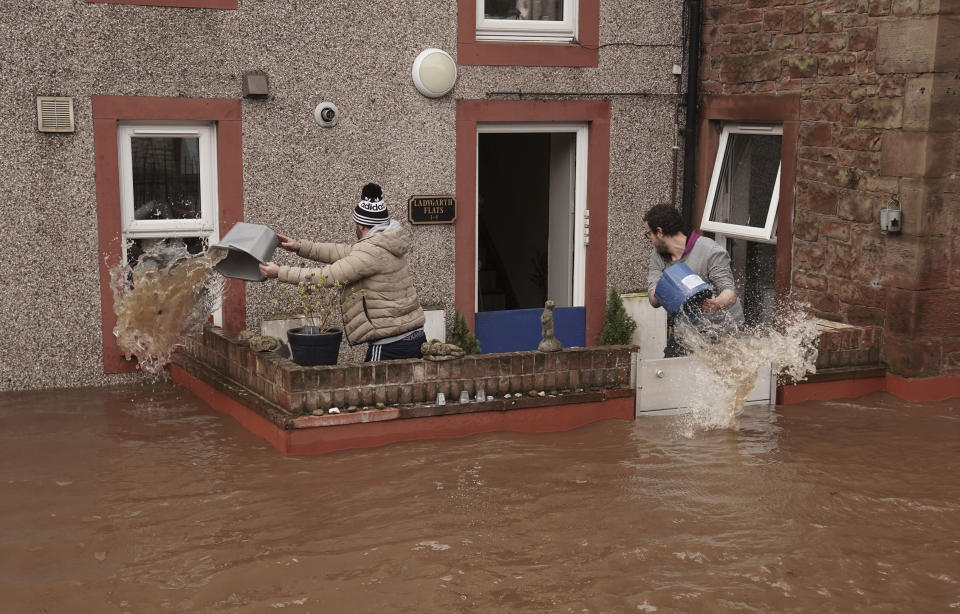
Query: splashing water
[(729, 363), (161, 300)]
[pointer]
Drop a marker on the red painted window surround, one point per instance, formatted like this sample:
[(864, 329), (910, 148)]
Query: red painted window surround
[(596, 113), (107, 112), (189, 4), (484, 53), (754, 108)]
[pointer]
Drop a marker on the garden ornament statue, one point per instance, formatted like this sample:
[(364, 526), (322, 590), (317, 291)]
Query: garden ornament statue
[(437, 350), (259, 343), (549, 343)]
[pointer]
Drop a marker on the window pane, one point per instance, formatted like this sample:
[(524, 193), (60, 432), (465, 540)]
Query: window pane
[(137, 247), (166, 177), (746, 180), (541, 10), (755, 269)]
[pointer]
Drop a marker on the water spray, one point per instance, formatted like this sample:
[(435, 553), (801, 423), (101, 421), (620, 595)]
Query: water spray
[(166, 296)]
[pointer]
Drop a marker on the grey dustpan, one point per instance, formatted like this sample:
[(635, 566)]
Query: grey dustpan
[(242, 249)]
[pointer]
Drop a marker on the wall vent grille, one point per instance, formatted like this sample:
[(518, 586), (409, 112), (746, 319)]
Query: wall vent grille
[(55, 114)]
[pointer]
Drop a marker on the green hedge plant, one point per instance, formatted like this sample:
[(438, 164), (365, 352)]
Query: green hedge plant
[(462, 336), (618, 326)]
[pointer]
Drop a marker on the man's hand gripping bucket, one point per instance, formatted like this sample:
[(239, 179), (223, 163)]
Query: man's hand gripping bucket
[(680, 289)]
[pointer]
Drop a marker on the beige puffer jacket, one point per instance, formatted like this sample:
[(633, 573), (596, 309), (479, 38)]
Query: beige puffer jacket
[(379, 299)]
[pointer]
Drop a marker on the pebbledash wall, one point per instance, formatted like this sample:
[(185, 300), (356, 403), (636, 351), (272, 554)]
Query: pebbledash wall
[(870, 91), (182, 59)]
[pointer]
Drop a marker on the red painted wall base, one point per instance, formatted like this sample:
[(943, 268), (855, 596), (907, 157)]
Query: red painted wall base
[(911, 390), (321, 440), (924, 389), (249, 419), (827, 391)]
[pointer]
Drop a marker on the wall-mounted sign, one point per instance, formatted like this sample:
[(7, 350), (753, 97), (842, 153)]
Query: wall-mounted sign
[(432, 209)]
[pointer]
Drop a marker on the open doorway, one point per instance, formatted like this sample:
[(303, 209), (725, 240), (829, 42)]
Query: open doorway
[(530, 233)]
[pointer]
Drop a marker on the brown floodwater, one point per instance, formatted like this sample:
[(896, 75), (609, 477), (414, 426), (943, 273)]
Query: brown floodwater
[(141, 499)]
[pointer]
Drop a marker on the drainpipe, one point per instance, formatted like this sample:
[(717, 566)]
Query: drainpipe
[(691, 122)]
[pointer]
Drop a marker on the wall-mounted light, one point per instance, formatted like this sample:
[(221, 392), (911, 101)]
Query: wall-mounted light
[(434, 72), (890, 216), (256, 84)]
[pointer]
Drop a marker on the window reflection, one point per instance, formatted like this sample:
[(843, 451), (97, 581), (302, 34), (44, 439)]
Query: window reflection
[(166, 178)]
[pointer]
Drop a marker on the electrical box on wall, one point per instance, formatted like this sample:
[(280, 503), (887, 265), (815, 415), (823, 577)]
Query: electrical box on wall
[(890, 220)]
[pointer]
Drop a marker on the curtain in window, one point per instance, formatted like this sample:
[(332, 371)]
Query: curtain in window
[(549, 10)]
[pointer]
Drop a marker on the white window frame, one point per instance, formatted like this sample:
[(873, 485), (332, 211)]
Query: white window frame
[(766, 234), (529, 30), (580, 223), (206, 224)]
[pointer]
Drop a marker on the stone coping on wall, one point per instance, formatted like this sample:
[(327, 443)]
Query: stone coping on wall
[(292, 397)]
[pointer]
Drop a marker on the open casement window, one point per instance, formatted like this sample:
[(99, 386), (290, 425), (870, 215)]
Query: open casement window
[(542, 21), (168, 186), (745, 185)]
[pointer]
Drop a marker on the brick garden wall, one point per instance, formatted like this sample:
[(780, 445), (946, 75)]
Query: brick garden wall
[(289, 396), (296, 390), (879, 118), (842, 345)]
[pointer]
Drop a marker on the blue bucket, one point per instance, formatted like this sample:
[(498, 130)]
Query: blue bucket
[(681, 288)]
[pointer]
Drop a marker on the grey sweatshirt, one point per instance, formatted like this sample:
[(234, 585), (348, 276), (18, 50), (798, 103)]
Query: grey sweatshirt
[(711, 262)]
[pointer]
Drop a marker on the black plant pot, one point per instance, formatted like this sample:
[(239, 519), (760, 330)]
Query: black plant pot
[(311, 346)]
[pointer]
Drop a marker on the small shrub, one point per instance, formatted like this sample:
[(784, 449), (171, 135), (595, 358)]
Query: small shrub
[(462, 336), (618, 326), (313, 299)]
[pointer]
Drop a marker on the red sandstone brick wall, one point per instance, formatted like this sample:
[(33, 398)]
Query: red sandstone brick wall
[(879, 119)]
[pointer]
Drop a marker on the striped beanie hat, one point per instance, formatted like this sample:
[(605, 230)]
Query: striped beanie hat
[(371, 210)]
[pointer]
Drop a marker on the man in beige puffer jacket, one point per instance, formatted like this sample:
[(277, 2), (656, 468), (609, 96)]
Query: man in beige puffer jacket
[(379, 302)]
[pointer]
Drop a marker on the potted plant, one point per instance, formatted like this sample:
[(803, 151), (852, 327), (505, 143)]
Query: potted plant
[(310, 310)]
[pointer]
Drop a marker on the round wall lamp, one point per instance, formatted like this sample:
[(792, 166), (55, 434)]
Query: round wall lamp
[(434, 72)]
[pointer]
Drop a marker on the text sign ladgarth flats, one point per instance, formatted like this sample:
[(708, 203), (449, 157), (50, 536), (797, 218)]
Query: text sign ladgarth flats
[(432, 209)]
